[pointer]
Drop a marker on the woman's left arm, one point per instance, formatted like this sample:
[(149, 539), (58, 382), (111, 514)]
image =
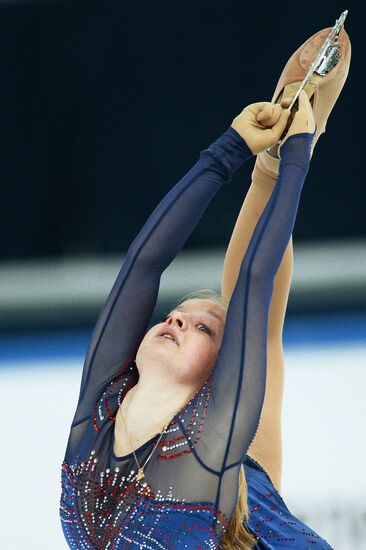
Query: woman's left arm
[(266, 447), (239, 376)]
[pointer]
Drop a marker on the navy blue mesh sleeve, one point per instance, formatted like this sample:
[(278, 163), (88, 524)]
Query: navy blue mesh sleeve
[(239, 376), (126, 314), (190, 485)]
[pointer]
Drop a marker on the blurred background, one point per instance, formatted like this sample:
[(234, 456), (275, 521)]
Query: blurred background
[(105, 106)]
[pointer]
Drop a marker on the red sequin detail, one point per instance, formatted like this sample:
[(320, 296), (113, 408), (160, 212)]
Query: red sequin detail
[(95, 515), (106, 395), (165, 443)]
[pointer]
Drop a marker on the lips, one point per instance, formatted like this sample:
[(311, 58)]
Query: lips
[(169, 332)]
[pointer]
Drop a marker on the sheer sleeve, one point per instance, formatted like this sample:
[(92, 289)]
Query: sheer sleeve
[(239, 376), (128, 309), (192, 468)]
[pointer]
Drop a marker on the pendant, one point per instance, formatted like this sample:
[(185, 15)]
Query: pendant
[(140, 474)]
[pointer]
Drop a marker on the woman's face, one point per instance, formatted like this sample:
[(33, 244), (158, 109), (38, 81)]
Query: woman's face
[(186, 342)]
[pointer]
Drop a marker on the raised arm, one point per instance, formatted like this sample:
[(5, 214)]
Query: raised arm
[(255, 201), (126, 314), (266, 446), (238, 381)]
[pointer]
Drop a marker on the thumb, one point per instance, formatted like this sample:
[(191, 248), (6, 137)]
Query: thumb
[(279, 127)]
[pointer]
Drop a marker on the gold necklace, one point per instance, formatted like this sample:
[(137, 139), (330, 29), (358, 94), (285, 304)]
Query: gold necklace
[(140, 473)]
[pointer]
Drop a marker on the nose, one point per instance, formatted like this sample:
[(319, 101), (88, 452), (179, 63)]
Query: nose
[(178, 318)]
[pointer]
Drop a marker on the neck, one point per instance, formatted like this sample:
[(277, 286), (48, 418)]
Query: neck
[(154, 404)]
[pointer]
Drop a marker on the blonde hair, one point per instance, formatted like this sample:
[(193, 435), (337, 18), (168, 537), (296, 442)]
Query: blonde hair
[(237, 536)]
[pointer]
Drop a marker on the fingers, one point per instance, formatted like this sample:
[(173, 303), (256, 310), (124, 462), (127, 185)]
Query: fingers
[(269, 114), (303, 121), (256, 108), (279, 127), (305, 114), (304, 102), (285, 103)]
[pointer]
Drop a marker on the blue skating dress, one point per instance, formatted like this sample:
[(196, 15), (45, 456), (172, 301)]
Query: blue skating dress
[(270, 521), (190, 488)]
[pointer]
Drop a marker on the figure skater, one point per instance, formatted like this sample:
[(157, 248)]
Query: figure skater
[(167, 414)]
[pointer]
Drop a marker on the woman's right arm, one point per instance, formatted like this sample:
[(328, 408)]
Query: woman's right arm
[(127, 312)]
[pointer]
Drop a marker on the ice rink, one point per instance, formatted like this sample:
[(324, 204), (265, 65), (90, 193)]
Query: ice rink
[(323, 429)]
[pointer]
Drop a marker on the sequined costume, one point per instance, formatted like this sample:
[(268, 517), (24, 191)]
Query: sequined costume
[(270, 520), (190, 487)]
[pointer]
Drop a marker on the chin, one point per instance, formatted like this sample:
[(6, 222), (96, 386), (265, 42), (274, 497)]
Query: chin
[(152, 354)]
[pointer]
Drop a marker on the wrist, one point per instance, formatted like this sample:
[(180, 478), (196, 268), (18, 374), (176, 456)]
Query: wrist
[(296, 150), (239, 139), (230, 149)]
